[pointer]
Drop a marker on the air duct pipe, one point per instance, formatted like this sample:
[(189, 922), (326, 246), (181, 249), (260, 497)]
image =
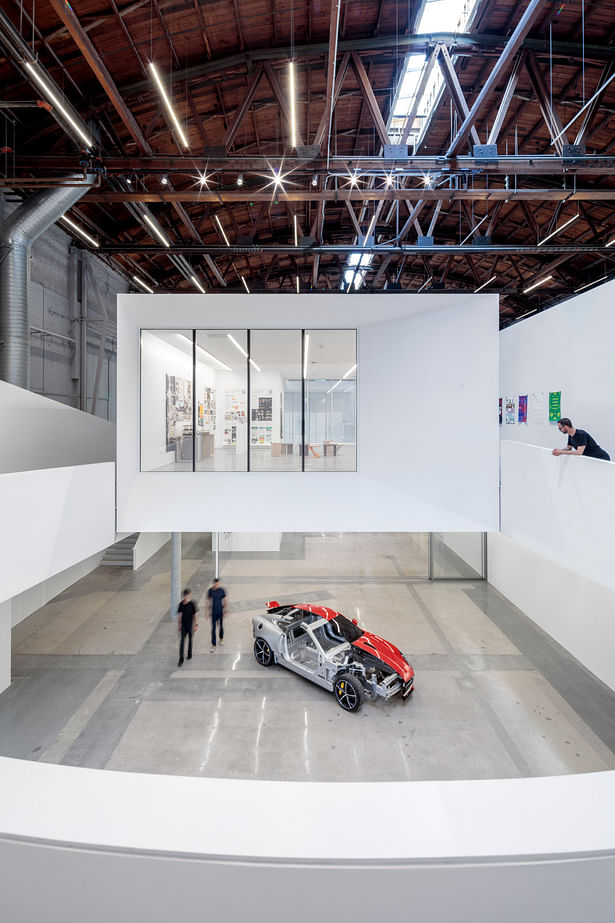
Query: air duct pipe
[(17, 234)]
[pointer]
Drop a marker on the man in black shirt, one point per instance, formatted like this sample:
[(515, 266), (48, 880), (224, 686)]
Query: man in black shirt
[(217, 601), (579, 442), (186, 624)]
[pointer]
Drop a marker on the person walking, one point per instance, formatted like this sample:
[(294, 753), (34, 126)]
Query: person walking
[(579, 442), (217, 611), (187, 624)]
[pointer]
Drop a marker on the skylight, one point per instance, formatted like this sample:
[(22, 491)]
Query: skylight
[(355, 274), (437, 16)]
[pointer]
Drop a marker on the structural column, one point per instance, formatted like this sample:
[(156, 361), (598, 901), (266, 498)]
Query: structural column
[(176, 572), (5, 645)]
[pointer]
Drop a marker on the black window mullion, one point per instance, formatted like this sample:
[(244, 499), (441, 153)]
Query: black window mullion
[(302, 401), (194, 407)]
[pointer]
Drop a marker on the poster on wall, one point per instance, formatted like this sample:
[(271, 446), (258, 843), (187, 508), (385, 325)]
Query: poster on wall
[(522, 409), (555, 406), (234, 414), (261, 412), (179, 407), (510, 410), (500, 411), (540, 408), (207, 411)]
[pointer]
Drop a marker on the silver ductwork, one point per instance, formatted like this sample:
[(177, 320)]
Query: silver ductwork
[(17, 234)]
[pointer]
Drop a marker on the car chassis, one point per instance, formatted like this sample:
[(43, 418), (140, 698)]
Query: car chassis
[(321, 648)]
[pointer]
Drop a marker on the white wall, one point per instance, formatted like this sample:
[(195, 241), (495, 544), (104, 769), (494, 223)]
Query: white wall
[(554, 558), (52, 519), (440, 851), (24, 604), (427, 431), (147, 545), (568, 348), (41, 433)]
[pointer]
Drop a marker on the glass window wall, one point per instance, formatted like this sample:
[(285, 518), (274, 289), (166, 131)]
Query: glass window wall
[(221, 396), (275, 400), (330, 375), (166, 400)]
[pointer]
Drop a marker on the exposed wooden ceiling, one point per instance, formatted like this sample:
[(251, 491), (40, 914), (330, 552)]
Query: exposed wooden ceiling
[(225, 63)]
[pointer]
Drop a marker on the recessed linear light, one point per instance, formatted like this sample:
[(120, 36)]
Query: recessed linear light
[(536, 284), (237, 345), (485, 284), (226, 240), (58, 105), (200, 349), (305, 354), (157, 230), (254, 365), (167, 103), (143, 285), (198, 284), (350, 371), (557, 230), (79, 231), (298, 285), (293, 118), (527, 314), (295, 229), (333, 387), (587, 284), (426, 282), (611, 242), (245, 285)]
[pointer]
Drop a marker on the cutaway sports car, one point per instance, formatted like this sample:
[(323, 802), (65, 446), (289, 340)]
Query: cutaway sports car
[(333, 652)]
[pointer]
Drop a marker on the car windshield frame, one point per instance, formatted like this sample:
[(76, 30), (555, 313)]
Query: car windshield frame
[(349, 631)]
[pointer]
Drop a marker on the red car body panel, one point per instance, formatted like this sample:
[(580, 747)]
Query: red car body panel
[(368, 642)]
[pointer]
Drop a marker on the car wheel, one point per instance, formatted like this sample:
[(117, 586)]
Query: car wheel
[(263, 652), (348, 692)]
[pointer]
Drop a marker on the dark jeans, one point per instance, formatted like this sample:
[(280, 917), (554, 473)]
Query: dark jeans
[(216, 619), (182, 641)]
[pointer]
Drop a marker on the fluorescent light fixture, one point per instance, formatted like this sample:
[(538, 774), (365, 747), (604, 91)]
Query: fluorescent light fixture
[(485, 284), (298, 285), (245, 284), (79, 231), (198, 284), (237, 346), (536, 284), (254, 365), (587, 284), (370, 229), (333, 387), (305, 354), (156, 229), (33, 70), (142, 284), (293, 116), (527, 314), (226, 240), (295, 227), (350, 371), (557, 230), (205, 353), (611, 242), (426, 282), (474, 230), (167, 103)]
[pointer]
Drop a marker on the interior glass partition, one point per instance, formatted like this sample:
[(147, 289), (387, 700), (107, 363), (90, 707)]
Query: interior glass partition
[(457, 556), (221, 395), (330, 373), (275, 426), (167, 407)]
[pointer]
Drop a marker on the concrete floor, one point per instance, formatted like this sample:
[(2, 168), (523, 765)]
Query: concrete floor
[(96, 683)]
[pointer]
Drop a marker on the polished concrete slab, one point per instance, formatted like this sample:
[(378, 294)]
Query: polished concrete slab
[(96, 681)]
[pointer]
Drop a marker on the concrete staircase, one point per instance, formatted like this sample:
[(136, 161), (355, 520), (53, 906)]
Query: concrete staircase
[(121, 554)]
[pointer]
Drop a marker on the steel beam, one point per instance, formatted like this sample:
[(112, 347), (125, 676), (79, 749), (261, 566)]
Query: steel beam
[(505, 102), (563, 250), (584, 130), (420, 90), (243, 108), (282, 99), (531, 14), (549, 112), (454, 87), (323, 126), (370, 100)]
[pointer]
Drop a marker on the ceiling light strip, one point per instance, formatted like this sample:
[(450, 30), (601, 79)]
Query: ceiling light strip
[(143, 285), (245, 284), (167, 103), (222, 231), (198, 284), (157, 230), (237, 346), (33, 70), (79, 231), (536, 284), (485, 284), (305, 354), (293, 116), (557, 230)]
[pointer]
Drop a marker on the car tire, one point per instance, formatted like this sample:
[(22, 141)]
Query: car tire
[(263, 652), (348, 692)]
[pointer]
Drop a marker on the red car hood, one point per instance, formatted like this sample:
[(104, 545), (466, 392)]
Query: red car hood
[(386, 652)]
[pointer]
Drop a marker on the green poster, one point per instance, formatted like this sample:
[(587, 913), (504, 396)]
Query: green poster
[(555, 406)]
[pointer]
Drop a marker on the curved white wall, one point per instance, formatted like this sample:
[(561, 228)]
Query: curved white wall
[(83, 844)]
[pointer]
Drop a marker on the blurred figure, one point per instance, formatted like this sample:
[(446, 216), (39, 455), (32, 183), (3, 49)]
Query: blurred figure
[(216, 597), (187, 624)]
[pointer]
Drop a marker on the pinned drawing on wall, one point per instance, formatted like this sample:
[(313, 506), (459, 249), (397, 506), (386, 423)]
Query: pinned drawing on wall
[(500, 411), (522, 409), (510, 410), (555, 406), (540, 407)]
